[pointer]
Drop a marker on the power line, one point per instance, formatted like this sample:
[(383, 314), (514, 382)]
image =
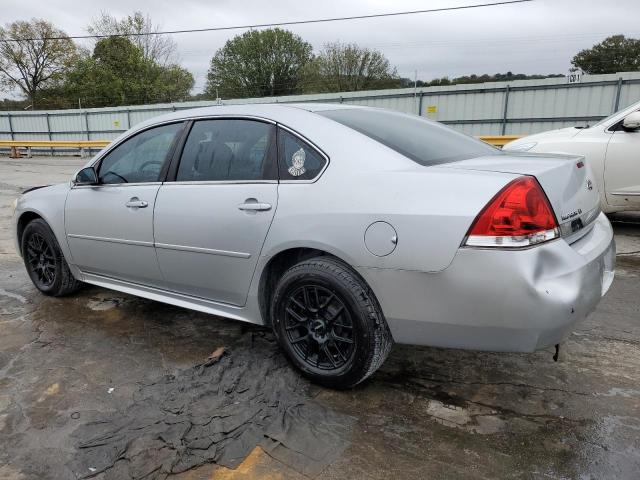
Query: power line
[(277, 24), (475, 42)]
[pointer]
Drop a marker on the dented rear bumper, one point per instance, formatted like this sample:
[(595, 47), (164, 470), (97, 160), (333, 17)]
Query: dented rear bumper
[(499, 300)]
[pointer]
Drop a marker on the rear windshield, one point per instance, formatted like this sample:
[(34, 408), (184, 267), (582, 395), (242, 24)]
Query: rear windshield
[(423, 141)]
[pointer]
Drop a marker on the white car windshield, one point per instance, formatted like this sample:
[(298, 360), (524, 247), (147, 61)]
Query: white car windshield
[(619, 114)]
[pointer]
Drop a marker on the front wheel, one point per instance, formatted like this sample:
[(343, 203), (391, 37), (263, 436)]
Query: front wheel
[(329, 323), (45, 262)]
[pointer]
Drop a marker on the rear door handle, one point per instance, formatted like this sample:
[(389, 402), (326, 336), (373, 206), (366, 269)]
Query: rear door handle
[(254, 206), (135, 202)]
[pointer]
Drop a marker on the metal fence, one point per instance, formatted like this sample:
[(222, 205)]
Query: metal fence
[(499, 108)]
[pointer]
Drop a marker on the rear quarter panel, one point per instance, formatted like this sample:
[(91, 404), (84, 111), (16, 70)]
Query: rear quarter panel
[(431, 208)]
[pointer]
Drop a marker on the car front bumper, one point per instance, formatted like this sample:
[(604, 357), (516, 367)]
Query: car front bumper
[(499, 300)]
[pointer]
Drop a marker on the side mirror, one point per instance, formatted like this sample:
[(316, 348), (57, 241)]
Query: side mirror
[(632, 121), (86, 176)]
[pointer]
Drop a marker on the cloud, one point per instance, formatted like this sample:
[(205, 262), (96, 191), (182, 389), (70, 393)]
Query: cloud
[(536, 37)]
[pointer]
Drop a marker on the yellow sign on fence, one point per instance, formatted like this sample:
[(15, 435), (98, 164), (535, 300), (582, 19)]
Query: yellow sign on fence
[(432, 109)]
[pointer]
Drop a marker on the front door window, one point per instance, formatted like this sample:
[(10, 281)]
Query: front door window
[(139, 159)]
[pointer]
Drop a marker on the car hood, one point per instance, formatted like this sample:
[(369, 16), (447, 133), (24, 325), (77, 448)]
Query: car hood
[(558, 134), (31, 189)]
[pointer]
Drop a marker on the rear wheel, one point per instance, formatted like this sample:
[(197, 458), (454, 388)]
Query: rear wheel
[(329, 323), (45, 262)]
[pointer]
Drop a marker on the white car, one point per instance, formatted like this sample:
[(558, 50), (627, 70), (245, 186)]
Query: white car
[(611, 147)]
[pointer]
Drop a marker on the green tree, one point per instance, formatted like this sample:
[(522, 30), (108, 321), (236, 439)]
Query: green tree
[(172, 83), (33, 56), (113, 75), (612, 55), (117, 73), (347, 68), (140, 29), (257, 64)]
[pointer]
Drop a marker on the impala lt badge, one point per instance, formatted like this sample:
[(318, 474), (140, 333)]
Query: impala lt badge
[(571, 215)]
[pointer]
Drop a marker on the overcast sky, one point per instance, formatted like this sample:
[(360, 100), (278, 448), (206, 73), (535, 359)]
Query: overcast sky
[(536, 37)]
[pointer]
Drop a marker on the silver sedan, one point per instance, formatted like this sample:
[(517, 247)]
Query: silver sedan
[(343, 228)]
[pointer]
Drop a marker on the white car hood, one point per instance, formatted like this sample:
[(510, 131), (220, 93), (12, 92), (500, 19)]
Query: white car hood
[(558, 134)]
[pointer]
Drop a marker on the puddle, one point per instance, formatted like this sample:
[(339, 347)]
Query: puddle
[(5, 293), (102, 305), (473, 419), (620, 392)]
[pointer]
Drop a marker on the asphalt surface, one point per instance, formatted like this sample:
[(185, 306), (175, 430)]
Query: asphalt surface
[(428, 413)]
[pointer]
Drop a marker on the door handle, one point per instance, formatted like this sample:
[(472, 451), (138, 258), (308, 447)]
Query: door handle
[(254, 206), (135, 202)]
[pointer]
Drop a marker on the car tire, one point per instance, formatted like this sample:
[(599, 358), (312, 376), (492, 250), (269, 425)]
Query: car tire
[(45, 262), (329, 323)]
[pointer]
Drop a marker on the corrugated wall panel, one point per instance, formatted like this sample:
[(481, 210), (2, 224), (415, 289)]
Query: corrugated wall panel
[(138, 116), (469, 106), (62, 123), (107, 122), (29, 123), (27, 136), (528, 128), (477, 129), (5, 130), (629, 94), (535, 105), (104, 135), (69, 136)]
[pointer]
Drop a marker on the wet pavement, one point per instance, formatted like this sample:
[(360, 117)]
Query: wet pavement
[(427, 413)]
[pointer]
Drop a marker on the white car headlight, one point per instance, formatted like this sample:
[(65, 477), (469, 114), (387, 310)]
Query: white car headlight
[(523, 147), (14, 206)]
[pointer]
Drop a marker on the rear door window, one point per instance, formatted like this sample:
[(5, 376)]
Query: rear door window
[(228, 150), (297, 160)]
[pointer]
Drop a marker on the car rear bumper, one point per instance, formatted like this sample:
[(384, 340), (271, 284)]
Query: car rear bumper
[(490, 299)]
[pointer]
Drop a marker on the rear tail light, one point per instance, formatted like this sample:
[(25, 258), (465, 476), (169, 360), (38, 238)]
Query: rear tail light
[(518, 216)]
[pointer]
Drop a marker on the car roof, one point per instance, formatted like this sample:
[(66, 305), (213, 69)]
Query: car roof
[(322, 107), (274, 111)]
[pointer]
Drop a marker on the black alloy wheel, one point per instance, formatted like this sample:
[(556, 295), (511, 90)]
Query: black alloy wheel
[(319, 327), (44, 260), (329, 323), (40, 261)]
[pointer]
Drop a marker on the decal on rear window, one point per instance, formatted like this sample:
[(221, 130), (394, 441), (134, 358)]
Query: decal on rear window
[(297, 160)]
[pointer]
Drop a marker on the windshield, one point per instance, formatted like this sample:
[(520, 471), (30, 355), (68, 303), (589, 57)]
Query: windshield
[(423, 141), (620, 113)]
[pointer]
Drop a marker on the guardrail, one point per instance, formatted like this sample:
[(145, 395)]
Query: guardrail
[(15, 146), (499, 140)]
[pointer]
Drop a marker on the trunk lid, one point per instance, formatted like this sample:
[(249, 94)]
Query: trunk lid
[(566, 179)]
